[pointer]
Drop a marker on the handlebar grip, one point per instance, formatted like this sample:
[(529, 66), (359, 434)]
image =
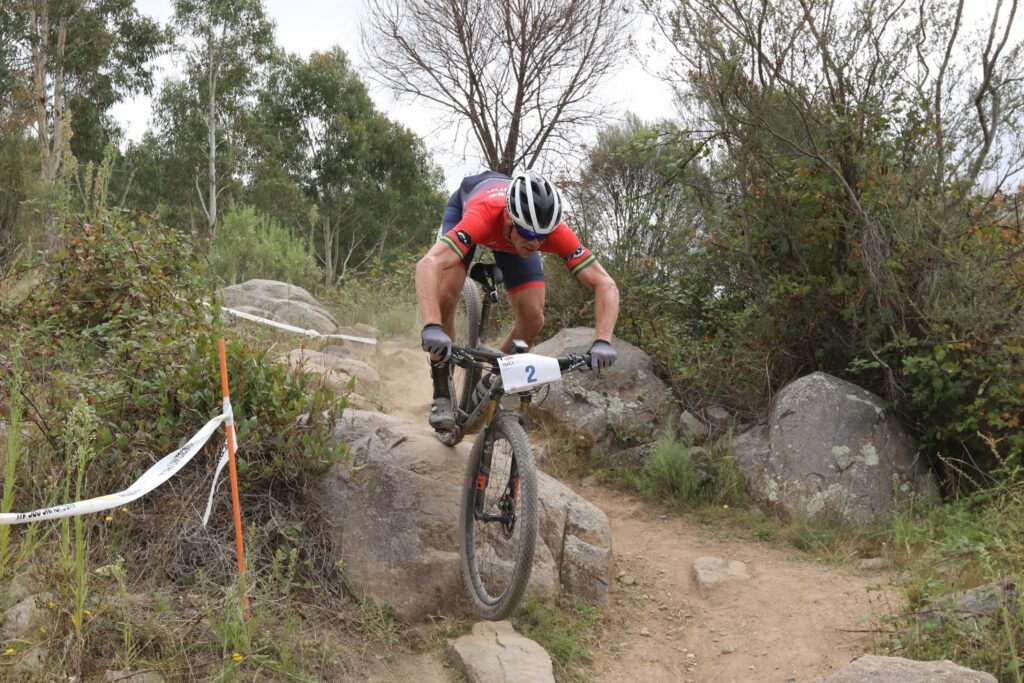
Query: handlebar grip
[(574, 359)]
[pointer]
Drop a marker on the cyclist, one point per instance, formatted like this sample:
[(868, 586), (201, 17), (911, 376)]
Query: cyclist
[(515, 217)]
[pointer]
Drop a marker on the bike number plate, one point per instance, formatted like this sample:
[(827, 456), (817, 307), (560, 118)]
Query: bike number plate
[(524, 371)]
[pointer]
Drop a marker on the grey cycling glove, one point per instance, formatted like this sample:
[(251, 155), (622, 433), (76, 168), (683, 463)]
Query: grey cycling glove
[(436, 340), (602, 355)]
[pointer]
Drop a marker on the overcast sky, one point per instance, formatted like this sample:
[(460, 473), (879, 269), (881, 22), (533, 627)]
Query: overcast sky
[(305, 26)]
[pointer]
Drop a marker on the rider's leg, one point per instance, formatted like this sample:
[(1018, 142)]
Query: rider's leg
[(442, 414), (528, 305), (451, 284), (524, 280)]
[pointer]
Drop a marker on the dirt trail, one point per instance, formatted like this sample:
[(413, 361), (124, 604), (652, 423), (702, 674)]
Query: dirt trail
[(793, 620)]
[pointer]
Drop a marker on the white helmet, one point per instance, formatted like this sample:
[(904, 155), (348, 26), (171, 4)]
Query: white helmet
[(534, 203)]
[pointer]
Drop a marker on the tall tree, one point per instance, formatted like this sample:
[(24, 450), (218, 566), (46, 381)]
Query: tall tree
[(76, 54), (224, 43), (370, 178), (520, 73), (629, 202)]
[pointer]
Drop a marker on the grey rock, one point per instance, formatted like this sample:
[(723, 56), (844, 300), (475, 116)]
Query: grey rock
[(898, 670), (337, 350), (874, 563), (633, 458), (627, 398), (718, 417), (280, 301), (969, 605), (494, 653), (710, 572), (691, 429), (832, 449), (17, 622), (393, 514), (338, 370)]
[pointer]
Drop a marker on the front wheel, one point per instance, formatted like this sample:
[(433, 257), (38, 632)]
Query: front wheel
[(499, 517)]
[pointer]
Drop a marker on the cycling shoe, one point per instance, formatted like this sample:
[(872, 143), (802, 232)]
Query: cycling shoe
[(441, 414)]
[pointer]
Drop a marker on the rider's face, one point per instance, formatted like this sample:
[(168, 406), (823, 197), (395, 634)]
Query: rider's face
[(523, 247)]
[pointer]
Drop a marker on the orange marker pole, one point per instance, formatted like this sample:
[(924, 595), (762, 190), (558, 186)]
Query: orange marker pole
[(235, 503)]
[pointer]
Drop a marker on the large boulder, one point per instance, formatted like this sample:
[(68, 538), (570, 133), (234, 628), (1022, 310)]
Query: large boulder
[(280, 301), (898, 670), (393, 515), (831, 448), (627, 399)]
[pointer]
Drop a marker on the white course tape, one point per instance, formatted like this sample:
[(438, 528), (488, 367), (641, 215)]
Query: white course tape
[(216, 480), (293, 328), (161, 471)]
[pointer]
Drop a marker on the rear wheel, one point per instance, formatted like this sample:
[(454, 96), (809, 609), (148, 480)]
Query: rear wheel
[(467, 326), (467, 333), (499, 517)]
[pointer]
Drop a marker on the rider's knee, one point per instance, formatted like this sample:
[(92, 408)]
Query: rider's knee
[(531, 323)]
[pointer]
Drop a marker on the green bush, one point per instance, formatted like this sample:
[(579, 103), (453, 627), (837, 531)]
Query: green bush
[(672, 474), (115, 319), (966, 399), (249, 246)]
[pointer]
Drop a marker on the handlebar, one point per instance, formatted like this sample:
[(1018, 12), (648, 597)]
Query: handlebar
[(463, 355)]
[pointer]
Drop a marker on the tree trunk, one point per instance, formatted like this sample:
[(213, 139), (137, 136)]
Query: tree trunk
[(50, 115), (211, 127), (328, 251)]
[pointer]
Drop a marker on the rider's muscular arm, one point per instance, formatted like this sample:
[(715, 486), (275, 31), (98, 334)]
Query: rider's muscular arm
[(428, 280), (606, 299)]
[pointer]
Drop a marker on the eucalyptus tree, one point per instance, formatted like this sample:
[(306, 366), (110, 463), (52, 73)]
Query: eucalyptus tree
[(372, 184), (865, 95), (73, 57), (224, 45), (520, 74)]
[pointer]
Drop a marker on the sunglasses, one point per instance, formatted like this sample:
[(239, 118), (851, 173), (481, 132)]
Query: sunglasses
[(530, 235)]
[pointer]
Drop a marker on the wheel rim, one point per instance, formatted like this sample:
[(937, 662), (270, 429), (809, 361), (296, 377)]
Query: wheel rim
[(497, 546)]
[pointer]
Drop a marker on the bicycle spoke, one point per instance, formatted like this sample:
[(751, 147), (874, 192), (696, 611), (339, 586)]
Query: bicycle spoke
[(501, 543)]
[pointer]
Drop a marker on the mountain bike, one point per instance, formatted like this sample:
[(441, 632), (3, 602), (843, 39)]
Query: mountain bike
[(498, 511)]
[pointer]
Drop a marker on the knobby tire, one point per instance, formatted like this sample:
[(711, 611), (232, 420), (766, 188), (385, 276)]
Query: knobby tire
[(496, 569), (461, 380)]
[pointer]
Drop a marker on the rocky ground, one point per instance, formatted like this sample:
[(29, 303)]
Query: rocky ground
[(789, 619)]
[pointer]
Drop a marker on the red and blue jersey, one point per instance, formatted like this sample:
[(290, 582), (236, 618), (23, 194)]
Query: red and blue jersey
[(476, 215)]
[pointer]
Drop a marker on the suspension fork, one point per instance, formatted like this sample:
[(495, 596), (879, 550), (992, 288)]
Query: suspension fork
[(483, 472)]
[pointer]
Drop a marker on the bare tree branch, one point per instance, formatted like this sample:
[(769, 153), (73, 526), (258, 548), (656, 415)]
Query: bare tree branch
[(521, 73)]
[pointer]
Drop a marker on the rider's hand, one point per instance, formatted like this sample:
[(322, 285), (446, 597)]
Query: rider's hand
[(602, 355), (435, 341)]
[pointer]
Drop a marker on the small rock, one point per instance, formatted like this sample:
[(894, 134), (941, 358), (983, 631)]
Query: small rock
[(875, 563), (718, 416), (711, 571), (16, 623), (690, 427), (728, 650), (645, 632), (627, 580), (495, 652)]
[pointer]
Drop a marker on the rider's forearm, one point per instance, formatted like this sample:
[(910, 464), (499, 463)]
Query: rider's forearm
[(606, 309), (428, 280)]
